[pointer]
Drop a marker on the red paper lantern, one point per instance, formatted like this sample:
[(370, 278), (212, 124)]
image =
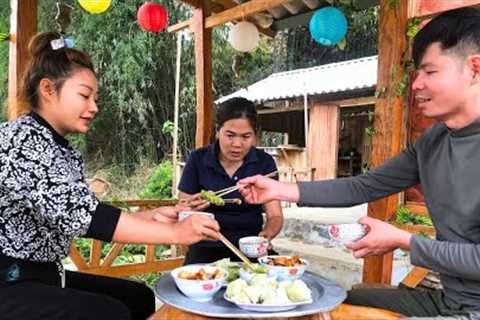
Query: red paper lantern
[(152, 17)]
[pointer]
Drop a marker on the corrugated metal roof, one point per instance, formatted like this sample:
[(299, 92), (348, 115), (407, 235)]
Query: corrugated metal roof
[(329, 78)]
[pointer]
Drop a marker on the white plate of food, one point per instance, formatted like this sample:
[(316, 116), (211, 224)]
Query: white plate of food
[(265, 294), (267, 307)]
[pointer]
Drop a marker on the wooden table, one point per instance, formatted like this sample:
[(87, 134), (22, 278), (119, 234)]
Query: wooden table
[(342, 312)]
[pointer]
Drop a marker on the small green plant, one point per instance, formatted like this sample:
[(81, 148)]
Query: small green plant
[(401, 86), (413, 28), (371, 131), (405, 216), (159, 185), (168, 127)]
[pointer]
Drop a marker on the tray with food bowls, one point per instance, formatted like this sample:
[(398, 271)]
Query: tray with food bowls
[(257, 293)]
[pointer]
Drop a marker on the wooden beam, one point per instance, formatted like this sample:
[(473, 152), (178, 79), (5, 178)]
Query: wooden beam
[(418, 208), (137, 268), (302, 19), (222, 5), (392, 44), (428, 8), (241, 11), (344, 103), (180, 26), (203, 69), (23, 26)]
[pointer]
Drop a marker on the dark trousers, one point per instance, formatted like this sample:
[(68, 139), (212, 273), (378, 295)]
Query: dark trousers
[(407, 301), (84, 297)]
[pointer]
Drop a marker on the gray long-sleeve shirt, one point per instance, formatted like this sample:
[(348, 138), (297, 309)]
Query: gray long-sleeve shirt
[(446, 163)]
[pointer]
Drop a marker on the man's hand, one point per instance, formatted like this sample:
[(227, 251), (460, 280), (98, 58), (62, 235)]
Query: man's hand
[(258, 189), (195, 228), (381, 237)]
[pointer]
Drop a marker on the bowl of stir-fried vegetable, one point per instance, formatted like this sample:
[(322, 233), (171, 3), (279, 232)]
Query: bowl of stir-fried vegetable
[(199, 282)]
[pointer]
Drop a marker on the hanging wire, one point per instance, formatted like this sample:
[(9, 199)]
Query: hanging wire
[(63, 16)]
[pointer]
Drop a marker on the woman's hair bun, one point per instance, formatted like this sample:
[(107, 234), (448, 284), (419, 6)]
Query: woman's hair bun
[(41, 42)]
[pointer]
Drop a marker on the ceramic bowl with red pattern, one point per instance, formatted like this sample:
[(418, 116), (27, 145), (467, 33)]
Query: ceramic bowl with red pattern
[(284, 267), (199, 281), (254, 247)]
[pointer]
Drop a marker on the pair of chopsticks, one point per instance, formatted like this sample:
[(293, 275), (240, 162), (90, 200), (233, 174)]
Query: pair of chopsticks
[(239, 253), (229, 190)]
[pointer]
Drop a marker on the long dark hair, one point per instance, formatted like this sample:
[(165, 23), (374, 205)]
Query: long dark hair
[(45, 62), (236, 108)]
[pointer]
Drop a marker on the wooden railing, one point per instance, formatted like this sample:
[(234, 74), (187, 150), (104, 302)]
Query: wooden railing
[(96, 265)]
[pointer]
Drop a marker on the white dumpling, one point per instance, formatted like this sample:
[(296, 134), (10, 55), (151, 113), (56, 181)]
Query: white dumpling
[(298, 291), (241, 298), (254, 293), (276, 297), (235, 287), (262, 280)]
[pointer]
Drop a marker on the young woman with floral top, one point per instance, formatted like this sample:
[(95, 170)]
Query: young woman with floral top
[(45, 201)]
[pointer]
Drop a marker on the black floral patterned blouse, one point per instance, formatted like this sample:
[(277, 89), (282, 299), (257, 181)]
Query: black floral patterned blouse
[(44, 199)]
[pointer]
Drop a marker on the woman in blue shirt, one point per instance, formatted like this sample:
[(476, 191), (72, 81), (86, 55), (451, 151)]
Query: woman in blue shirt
[(232, 157)]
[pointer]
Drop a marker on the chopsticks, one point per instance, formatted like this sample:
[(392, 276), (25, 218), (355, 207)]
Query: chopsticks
[(233, 201), (228, 190), (235, 250)]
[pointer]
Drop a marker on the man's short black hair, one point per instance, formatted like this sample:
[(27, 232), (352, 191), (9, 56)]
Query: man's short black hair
[(458, 30)]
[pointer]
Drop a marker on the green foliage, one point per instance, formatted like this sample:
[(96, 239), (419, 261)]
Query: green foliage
[(159, 186), (371, 131), (413, 27), (401, 85), (168, 127), (4, 46), (405, 216)]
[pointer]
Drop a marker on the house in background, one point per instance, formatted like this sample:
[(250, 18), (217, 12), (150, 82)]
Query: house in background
[(322, 113)]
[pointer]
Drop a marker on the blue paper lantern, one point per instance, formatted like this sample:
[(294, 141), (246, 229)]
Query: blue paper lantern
[(328, 26)]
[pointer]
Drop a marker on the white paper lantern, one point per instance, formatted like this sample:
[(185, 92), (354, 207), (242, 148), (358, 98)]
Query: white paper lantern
[(244, 36)]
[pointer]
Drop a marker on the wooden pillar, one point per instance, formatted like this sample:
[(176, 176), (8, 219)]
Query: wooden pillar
[(323, 140), (203, 69), (23, 25), (392, 44)]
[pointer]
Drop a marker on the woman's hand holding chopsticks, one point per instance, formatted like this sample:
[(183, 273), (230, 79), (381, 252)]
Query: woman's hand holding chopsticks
[(195, 228), (194, 202)]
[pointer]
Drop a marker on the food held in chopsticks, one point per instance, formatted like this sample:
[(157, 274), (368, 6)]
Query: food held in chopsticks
[(201, 274), (211, 197)]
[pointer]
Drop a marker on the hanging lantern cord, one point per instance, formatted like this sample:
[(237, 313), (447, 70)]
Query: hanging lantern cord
[(62, 17)]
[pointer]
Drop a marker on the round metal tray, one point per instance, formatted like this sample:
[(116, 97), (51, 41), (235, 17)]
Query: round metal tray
[(326, 295)]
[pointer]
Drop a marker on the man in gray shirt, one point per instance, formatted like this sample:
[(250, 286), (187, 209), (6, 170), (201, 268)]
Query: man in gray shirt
[(444, 161)]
